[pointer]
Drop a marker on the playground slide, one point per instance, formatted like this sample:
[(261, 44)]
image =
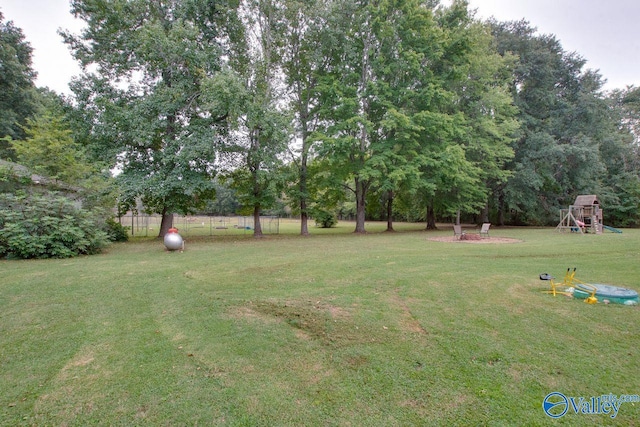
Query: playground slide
[(614, 230)]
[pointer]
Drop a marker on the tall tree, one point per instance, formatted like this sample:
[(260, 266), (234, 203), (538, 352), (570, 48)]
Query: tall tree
[(627, 103), (50, 150), (483, 99), (408, 41), (262, 126), (303, 32), (373, 93), (565, 124), (145, 65), (621, 154), (451, 178), (17, 89), (344, 100)]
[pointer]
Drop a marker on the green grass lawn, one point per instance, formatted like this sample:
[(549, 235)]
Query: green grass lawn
[(385, 329)]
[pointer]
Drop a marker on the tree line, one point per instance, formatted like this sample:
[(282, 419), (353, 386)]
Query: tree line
[(389, 109)]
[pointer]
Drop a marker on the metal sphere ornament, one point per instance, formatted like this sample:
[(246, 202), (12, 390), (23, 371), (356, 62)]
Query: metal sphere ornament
[(173, 241)]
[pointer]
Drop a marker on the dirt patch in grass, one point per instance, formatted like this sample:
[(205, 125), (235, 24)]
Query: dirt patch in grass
[(82, 359), (355, 362), (408, 322), (249, 313), (73, 391), (482, 240), (310, 319)]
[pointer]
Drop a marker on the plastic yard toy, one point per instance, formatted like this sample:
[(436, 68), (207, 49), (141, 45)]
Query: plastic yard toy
[(568, 286), (608, 294), (590, 293)]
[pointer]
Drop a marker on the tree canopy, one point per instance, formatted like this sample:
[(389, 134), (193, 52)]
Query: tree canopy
[(17, 89), (569, 134), (146, 64), (398, 108)]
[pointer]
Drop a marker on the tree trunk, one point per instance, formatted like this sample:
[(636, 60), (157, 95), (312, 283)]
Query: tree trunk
[(361, 185), (485, 213), (167, 217), (501, 209), (431, 217), (390, 211), (304, 214), (360, 206), (167, 222), (257, 227), (254, 166), (304, 218)]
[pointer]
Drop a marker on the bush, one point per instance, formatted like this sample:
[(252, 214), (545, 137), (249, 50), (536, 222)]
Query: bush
[(116, 231), (47, 226), (325, 219)]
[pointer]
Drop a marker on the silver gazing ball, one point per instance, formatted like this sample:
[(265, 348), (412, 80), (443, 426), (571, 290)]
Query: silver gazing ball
[(173, 241)]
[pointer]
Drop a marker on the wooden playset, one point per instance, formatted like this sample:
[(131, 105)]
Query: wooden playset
[(584, 216)]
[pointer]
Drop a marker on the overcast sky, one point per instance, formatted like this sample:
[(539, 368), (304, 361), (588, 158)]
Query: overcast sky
[(604, 32)]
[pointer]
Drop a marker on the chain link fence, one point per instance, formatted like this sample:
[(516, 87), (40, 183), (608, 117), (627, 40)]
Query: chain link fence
[(143, 225)]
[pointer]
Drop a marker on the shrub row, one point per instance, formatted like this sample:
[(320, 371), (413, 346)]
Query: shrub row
[(50, 226)]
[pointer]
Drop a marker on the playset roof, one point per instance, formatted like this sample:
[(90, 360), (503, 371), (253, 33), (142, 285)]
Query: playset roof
[(586, 200)]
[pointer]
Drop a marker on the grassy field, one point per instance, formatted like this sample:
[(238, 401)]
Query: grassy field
[(385, 329)]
